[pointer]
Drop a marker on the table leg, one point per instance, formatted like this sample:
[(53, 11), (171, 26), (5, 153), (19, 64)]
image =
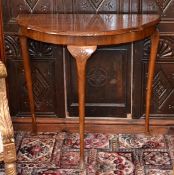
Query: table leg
[(151, 68), (81, 55), (28, 78)]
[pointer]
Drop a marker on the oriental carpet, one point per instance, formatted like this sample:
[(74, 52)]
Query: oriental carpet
[(105, 154)]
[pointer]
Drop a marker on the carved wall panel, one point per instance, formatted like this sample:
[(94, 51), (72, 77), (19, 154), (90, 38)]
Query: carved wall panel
[(11, 46), (108, 83), (74, 6), (163, 85), (162, 104), (165, 48), (163, 93), (163, 4), (167, 13), (46, 74)]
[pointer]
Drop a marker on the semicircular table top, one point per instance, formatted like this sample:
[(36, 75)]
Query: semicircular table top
[(77, 26)]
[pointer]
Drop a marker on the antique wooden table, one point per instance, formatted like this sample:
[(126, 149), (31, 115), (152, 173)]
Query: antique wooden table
[(82, 33)]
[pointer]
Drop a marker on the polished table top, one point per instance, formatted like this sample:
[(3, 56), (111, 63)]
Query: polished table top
[(86, 25)]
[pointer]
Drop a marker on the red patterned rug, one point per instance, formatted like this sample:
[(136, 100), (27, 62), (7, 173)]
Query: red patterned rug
[(105, 154)]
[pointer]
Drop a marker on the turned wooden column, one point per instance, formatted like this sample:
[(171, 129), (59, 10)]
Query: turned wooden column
[(28, 78), (151, 68), (81, 55)]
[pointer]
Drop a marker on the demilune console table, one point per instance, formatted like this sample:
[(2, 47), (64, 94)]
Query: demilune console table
[(82, 34)]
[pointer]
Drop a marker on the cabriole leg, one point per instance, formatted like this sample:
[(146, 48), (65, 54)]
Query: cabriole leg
[(28, 78), (81, 55), (151, 68)]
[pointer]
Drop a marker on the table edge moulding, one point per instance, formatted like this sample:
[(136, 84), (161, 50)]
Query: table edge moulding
[(82, 33)]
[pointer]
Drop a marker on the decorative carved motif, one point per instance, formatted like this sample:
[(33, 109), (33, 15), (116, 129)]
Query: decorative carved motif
[(40, 49), (84, 4), (163, 4), (96, 77), (40, 87), (151, 5), (161, 89), (44, 8), (11, 45), (109, 4), (43, 87), (96, 4), (20, 8), (31, 4), (165, 48), (81, 53), (146, 48), (171, 107)]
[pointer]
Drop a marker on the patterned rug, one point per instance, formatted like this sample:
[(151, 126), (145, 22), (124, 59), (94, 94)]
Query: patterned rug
[(105, 154)]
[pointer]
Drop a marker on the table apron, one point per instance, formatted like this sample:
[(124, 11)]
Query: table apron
[(88, 40)]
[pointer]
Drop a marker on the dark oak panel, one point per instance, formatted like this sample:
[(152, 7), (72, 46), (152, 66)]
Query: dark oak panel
[(108, 83), (163, 93), (47, 68)]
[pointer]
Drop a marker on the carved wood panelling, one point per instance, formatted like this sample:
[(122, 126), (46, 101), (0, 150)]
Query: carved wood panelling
[(166, 8), (163, 4), (165, 48), (161, 89), (47, 77), (163, 93), (44, 88), (40, 49), (169, 10), (11, 45), (76, 6), (108, 83), (163, 85), (166, 26), (97, 77)]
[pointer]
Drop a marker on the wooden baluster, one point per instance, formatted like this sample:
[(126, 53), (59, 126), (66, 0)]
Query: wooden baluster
[(28, 78), (151, 68), (81, 55)]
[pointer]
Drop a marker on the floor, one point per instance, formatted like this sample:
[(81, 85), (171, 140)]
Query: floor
[(106, 154)]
